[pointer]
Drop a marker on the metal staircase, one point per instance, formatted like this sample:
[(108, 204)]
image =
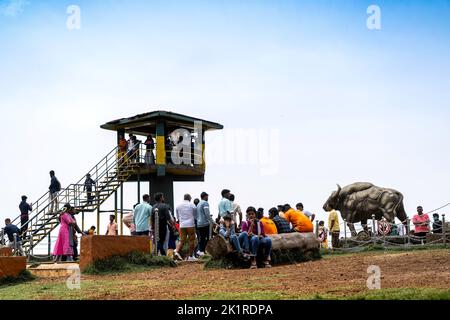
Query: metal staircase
[(108, 174)]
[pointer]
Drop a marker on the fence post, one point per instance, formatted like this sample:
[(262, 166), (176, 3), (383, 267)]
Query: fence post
[(373, 229), (317, 228), (407, 231), (444, 231), (345, 233)]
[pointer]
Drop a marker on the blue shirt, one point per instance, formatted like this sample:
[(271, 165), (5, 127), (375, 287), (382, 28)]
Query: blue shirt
[(9, 230), (225, 206), (141, 216), (203, 216)]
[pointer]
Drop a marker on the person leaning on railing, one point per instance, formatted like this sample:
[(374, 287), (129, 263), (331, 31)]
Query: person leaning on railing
[(11, 230)]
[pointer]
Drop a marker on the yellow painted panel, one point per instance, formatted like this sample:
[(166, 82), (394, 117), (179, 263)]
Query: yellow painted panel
[(160, 150)]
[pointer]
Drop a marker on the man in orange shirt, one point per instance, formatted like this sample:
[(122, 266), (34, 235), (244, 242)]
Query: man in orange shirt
[(300, 222), (269, 226)]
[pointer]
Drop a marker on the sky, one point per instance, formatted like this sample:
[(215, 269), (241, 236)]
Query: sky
[(315, 96)]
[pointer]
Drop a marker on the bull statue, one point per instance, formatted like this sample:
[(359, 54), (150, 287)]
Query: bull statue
[(358, 201)]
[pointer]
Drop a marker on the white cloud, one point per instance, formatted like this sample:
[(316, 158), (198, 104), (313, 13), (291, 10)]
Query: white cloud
[(12, 8)]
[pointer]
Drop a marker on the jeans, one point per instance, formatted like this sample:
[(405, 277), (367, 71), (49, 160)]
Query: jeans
[(255, 244), (53, 202), (244, 241), (234, 240)]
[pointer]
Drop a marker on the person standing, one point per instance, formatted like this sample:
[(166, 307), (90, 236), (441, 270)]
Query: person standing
[(437, 224), (25, 209), (204, 223), (141, 217), (54, 188), (185, 214), (111, 228), (88, 184), (322, 235), (149, 147), (11, 230), (74, 229), (164, 221), (333, 225), (122, 149), (237, 212), (225, 205), (421, 223), (63, 247)]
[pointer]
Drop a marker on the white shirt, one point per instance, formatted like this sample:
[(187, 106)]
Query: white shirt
[(186, 214), (307, 213)]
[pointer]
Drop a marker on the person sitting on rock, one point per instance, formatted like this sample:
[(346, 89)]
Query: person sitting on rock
[(269, 226), (300, 222), (254, 239), (227, 230), (282, 225)]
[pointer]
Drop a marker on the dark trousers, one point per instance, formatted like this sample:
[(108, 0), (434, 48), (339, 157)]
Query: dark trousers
[(141, 233), (335, 239), (161, 241), (203, 233), (23, 221)]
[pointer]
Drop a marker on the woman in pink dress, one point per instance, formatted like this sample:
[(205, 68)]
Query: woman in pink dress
[(63, 246)]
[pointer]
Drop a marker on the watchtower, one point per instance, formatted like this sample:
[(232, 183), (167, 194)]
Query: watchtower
[(179, 148)]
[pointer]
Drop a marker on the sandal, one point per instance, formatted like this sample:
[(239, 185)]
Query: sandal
[(267, 264), (253, 265)]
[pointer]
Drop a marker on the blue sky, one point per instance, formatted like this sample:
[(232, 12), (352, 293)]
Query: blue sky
[(349, 104)]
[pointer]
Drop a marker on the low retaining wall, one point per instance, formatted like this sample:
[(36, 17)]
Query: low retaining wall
[(5, 252), (12, 266), (100, 247)]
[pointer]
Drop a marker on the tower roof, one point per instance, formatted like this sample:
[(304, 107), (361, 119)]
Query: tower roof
[(145, 123)]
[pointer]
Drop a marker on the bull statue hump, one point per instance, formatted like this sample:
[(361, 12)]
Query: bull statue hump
[(358, 201)]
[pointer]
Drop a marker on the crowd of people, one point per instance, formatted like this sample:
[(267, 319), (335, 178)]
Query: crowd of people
[(192, 222)]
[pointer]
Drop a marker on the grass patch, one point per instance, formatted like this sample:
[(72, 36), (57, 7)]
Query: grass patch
[(404, 294), (24, 276), (135, 261)]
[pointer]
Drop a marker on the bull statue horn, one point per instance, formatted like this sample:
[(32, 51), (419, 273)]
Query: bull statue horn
[(339, 189)]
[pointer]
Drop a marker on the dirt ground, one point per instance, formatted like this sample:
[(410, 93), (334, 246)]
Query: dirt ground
[(338, 275)]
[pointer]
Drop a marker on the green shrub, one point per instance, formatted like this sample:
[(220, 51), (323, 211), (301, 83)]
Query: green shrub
[(24, 276)]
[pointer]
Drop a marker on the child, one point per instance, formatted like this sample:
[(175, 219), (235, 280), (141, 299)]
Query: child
[(322, 235), (90, 232), (111, 229), (227, 230)]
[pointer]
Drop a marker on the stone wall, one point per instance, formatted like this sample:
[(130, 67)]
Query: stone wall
[(100, 247), (12, 266)]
